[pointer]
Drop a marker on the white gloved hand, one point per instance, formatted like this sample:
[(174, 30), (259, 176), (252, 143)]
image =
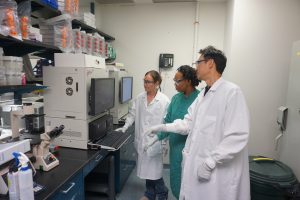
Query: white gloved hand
[(205, 169), (122, 129), (154, 129), (150, 141)]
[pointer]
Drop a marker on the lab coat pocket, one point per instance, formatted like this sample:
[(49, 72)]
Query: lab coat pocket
[(208, 124), (155, 149)]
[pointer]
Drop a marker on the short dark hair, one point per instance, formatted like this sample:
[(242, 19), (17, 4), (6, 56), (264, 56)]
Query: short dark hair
[(189, 73), (155, 75), (218, 56)]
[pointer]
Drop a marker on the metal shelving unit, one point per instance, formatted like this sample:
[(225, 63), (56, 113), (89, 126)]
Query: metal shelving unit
[(15, 47), (18, 90), (76, 24)]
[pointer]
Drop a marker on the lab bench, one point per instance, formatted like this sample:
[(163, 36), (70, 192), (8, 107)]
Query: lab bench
[(66, 181)]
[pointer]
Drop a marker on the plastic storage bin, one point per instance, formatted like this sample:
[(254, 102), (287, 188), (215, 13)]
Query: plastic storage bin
[(58, 31), (271, 180), (9, 21), (13, 69)]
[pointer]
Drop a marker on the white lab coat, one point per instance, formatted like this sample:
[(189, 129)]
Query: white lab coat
[(145, 116), (218, 128)]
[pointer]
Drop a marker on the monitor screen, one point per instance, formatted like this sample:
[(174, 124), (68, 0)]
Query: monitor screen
[(102, 95), (126, 89)]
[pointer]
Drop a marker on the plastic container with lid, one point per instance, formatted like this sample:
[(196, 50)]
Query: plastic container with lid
[(13, 65), (271, 179), (2, 77), (83, 41), (95, 45), (89, 43), (102, 47), (77, 40)]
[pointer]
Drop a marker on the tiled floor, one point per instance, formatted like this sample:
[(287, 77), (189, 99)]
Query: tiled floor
[(134, 187)]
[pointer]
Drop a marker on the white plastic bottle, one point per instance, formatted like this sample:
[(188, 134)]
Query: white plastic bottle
[(25, 179), (26, 184), (13, 184)]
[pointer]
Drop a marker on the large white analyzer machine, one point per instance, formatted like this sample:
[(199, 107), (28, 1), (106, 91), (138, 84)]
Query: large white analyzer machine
[(67, 100), (123, 94)]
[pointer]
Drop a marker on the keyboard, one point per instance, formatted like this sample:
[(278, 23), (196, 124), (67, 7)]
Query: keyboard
[(113, 140)]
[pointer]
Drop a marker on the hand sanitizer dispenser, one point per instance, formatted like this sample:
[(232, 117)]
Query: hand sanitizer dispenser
[(282, 117)]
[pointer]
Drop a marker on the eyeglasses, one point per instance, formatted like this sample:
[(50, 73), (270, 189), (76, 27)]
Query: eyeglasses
[(148, 82), (199, 61), (177, 81)]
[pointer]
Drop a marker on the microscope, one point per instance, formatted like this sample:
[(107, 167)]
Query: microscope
[(45, 160), (26, 109)]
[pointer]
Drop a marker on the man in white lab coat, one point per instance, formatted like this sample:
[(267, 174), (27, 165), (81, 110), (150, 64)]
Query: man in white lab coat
[(215, 157)]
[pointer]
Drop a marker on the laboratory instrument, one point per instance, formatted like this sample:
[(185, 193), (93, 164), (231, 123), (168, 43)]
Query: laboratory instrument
[(45, 160), (67, 100)]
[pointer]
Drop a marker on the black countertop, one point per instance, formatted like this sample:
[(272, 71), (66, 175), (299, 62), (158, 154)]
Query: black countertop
[(71, 161)]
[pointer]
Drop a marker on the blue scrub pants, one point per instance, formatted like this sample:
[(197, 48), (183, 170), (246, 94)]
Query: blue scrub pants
[(156, 188)]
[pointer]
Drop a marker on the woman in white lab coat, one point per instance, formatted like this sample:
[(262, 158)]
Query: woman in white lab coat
[(215, 156), (148, 109)]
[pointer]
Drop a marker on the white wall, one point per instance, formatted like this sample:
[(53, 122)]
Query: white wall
[(228, 28), (262, 36), (143, 31), (212, 21)]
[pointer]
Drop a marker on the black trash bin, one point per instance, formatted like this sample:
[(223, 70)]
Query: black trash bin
[(271, 180)]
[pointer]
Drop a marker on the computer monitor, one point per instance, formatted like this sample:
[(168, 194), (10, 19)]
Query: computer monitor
[(126, 85), (102, 95)]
